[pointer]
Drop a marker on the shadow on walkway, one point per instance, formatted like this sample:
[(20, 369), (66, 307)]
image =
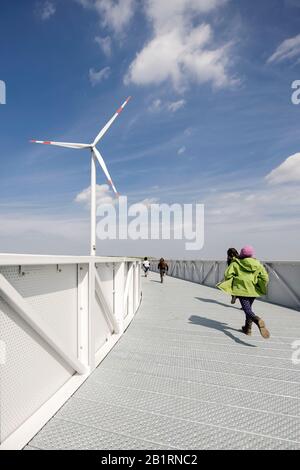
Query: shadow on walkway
[(156, 281), (212, 301), (217, 325)]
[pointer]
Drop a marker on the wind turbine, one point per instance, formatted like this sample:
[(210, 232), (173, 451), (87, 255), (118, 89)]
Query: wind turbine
[(95, 155)]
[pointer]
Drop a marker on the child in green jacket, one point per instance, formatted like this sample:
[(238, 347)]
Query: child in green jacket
[(247, 279)]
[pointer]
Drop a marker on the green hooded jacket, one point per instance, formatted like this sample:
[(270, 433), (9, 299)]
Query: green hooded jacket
[(245, 278)]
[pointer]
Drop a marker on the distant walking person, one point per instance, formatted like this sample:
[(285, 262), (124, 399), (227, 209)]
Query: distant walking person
[(146, 266), (231, 254), (247, 279), (163, 268)]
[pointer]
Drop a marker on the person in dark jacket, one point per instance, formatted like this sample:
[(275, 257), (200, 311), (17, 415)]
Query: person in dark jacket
[(163, 269), (232, 253)]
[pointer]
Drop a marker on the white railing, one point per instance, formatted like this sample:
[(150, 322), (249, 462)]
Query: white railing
[(284, 286), (59, 317)]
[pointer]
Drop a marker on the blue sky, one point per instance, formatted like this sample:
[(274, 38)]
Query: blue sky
[(211, 119)]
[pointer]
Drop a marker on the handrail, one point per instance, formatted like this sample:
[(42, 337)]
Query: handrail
[(126, 290), (23, 259)]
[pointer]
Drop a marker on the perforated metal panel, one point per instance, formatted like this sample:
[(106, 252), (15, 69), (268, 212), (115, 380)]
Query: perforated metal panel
[(106, 274), (52, 292), (102, 326), (32, 372)]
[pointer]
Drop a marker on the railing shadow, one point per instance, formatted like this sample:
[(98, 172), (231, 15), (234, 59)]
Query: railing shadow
[(217, 325)]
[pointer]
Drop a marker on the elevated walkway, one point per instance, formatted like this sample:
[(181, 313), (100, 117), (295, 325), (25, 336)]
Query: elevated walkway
[(184, 377)]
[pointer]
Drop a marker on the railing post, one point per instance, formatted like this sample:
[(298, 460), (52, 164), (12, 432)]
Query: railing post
[(91, 315), (83, 313), (128, 291), (119, 295), (137, 278)]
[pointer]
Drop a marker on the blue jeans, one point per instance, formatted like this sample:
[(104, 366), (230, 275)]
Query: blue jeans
[(246, 303)]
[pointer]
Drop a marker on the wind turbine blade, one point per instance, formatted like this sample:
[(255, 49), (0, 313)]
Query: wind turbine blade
[(107, 126), (104, 168), (69, 145)]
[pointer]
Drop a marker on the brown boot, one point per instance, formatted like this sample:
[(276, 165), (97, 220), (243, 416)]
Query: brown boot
[(262, 327), (247, 328)]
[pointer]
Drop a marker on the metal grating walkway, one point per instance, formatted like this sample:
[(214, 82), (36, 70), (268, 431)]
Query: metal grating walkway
[(183, 377)]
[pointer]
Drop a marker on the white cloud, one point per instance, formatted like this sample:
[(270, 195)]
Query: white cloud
[(181, 151), (165, 14), (179, 50), (103, 196), (156, 105), (288, 49), (176, 105), (97, 77), (105, 44), (287, 172), (45, 10), (115, 14), (260, 209)]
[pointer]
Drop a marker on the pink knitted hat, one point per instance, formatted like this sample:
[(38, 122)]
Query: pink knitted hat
[(247, 252)]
